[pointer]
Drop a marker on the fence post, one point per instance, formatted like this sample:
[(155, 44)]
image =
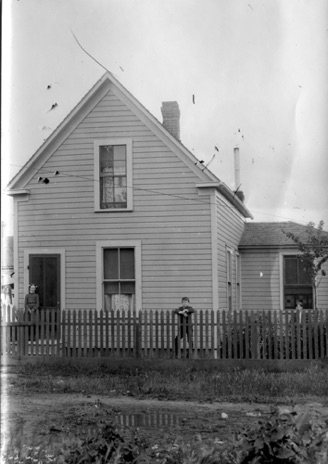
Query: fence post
[(21, 318), (137, 323)]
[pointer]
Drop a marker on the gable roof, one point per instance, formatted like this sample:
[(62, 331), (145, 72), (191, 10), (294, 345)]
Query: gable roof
[(109, 82), (271, 234)]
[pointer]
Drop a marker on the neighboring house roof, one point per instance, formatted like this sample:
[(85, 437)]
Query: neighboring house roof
[(271, 234), (108, 82)]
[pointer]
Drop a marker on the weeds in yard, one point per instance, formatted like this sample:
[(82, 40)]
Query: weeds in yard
[(185, 383), (287, 437)]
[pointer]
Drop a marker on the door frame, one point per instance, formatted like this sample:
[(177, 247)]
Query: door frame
[(48, 252)]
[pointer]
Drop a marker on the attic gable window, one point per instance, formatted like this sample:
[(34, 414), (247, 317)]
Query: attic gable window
[(113, 175)]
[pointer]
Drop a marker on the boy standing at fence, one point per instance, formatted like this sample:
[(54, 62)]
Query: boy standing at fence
[(185, 328)]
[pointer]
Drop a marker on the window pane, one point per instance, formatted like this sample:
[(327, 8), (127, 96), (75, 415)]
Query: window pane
[(291, 271), (120, 189), (304, 276), (111, 263), (106, 159), (110, 288), (127, 263), (120, 160), (106, 192), (127, 288)]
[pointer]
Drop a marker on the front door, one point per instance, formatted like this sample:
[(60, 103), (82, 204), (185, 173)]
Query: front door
[(44, 272)]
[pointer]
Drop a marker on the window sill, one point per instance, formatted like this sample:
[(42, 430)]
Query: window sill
[(114, 210)]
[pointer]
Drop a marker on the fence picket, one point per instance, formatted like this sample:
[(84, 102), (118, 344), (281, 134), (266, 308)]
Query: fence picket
[(156, 334), (151, 339), (315, 334), (101, 332), (162, 350), (129, 326), (201, 333), (79, 334), (247, 335), (123, 339), (286, 338), (73, 348), (275, 336), (263, 337), (224, 335), (298, 334), (107, 332), (63, 325), (253, 343), (90, 332), (47, 322), (310, 335), (112, 316), (144, 332), (169, 342)]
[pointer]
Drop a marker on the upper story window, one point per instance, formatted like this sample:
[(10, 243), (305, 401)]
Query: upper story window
[(113, 175)]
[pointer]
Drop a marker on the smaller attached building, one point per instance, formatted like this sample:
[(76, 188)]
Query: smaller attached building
[(272, 276)]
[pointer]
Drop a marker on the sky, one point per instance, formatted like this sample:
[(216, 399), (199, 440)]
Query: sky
[(258, 71)]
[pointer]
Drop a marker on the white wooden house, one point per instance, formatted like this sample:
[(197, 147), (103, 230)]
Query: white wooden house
[(113, 211), (272, 275)]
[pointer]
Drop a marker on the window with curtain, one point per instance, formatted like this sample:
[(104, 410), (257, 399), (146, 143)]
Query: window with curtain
[(297, 283), (119, 278), (112, 176)]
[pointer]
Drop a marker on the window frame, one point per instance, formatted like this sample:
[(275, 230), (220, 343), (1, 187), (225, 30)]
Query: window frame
[(129, 178), (100, 246), (282, 275)]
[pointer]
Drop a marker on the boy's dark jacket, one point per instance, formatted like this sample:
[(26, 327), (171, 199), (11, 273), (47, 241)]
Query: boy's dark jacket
[(190, 310)]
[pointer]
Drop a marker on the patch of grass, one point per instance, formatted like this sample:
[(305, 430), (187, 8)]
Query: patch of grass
[(183, 382)]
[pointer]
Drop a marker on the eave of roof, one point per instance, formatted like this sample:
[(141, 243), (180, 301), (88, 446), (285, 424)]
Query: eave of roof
[(229, 195), (269, 235)]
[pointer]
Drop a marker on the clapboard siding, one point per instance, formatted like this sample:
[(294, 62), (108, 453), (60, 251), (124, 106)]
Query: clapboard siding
[(230, 227), (169, 218), (260, 280)]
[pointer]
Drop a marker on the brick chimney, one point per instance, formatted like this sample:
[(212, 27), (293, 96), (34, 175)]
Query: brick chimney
[(171, 118)]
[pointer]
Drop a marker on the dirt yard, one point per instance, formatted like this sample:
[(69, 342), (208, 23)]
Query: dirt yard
[(52, 417)]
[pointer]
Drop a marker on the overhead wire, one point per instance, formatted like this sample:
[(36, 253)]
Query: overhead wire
[(156, 192)]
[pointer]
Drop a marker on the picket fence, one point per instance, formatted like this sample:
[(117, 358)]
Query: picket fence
[(221, 334)]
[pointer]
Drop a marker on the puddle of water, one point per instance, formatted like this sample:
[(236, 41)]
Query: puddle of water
[(156, 420)]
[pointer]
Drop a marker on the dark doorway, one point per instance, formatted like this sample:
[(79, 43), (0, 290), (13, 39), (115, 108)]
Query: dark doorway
[(44, 272)]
